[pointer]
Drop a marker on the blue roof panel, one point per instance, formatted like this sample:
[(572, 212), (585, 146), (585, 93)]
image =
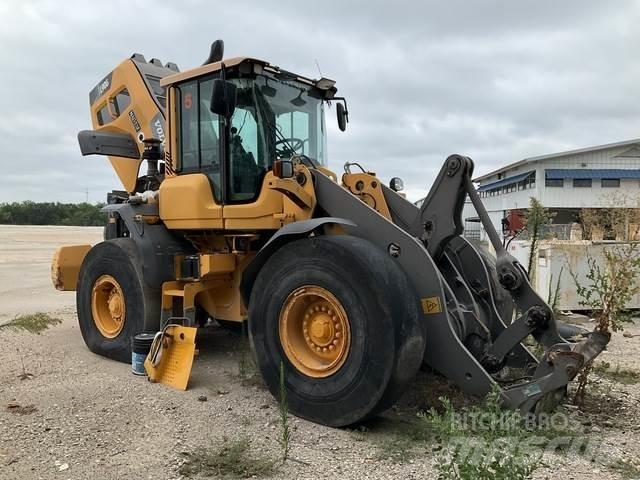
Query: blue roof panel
[(607, 173), (505, 181)]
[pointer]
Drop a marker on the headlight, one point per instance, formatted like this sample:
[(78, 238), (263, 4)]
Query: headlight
[(396, 184)]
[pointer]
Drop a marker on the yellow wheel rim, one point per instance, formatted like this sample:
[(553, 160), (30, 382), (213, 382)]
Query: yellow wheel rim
[(314, 331), (108, 306)]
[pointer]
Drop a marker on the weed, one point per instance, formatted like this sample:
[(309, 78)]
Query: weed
[(625, 468), (442, 424), (554, 293), (24, 375), (610, 285), (499, 461), (285, 431), (246, 366), (246, 369), (32, 323), (405, 441), (535, 219), (486, 441), (618, 374), (480, 441), (232, 460), (534, 347)]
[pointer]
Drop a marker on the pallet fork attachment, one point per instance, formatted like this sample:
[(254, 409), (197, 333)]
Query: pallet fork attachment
[(468, 341)]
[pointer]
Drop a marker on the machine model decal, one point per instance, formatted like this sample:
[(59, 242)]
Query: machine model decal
[(157, 127), (100, 89), (134, 121)]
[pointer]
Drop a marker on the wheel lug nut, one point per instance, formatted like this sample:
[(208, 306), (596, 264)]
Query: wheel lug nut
[(335, 342), (338, 334), (337, 325), (332, 347), (324, 350)]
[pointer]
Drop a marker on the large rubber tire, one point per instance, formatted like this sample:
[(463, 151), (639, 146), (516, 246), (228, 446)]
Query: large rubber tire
[(119, 259), (385, 350)]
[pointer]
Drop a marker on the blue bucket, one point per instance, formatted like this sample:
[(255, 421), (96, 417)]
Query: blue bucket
[(140, 346)]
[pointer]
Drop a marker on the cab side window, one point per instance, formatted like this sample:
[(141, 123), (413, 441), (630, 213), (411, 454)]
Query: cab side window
[(209, 134), (199, 132), (189, 155)]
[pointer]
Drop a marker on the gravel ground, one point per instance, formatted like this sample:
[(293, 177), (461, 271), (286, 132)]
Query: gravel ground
[(82, 416)]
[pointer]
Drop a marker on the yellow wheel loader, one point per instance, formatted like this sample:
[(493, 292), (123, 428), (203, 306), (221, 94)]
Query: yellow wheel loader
[(343, 282)]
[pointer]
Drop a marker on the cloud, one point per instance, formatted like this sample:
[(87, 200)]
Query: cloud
[(495, 80)]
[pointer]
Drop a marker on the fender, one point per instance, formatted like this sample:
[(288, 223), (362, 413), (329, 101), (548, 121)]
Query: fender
[(157, 245), (288, 233)]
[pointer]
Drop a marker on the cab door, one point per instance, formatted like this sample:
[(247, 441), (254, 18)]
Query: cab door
[(193, 197)]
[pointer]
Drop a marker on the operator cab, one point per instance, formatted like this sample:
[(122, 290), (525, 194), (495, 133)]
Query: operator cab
[(273, 115)]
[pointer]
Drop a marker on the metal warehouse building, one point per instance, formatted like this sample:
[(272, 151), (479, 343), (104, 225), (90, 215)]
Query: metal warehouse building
[(564, 182)]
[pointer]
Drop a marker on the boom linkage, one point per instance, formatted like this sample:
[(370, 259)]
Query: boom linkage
[(471, 336)]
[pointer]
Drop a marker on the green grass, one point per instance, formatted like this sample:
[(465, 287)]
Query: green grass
[(617, 374), (33, 322), (233, 459)]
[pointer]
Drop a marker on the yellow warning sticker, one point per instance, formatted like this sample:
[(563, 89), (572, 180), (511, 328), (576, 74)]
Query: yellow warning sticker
[(431, 305)]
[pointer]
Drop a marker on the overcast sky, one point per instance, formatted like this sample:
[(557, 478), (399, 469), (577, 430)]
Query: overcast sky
[(496, 80)]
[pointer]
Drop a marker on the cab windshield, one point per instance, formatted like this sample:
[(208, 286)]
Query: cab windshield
[(288, 113), (274, 118)]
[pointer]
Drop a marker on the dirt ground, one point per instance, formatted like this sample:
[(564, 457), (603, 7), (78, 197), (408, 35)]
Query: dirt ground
[(80, 416)]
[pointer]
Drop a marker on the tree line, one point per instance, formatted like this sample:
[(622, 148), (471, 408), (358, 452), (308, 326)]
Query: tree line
[(49, 213)]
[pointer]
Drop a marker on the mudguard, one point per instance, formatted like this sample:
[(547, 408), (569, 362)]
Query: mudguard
[(156, 244)]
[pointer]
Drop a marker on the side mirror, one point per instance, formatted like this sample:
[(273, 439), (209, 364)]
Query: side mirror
[(343, 116), (223, 97)]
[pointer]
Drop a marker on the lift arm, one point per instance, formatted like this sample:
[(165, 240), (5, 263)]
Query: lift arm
[(467, 339)]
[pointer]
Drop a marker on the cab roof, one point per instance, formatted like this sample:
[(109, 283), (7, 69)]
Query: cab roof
[(323, 84)]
